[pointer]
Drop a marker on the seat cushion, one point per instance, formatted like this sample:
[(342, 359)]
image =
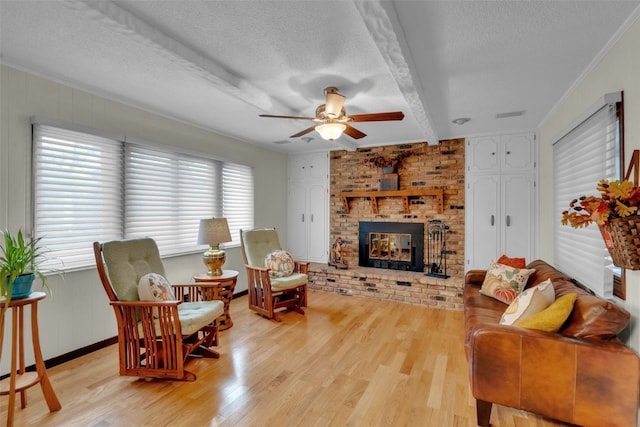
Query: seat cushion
[(194, 315), (290, 282)]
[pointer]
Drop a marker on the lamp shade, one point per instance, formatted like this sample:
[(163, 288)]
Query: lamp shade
[(331, 131), (213, 231)]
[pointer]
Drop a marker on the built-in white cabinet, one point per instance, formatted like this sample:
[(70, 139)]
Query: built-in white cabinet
[(500, 198), (308, 207), (501, 154)]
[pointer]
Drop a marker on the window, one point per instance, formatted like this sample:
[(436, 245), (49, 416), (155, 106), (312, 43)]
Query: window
[(583, 156), (91, 188)]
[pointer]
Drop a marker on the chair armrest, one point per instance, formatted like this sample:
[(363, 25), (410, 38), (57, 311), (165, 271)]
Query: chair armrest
[(301, 267), (575, 380), (193, 291), (475, 277), (166, 303)]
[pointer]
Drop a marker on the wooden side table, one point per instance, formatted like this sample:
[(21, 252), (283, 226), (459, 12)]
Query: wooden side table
[(221, 290), (20, 380)]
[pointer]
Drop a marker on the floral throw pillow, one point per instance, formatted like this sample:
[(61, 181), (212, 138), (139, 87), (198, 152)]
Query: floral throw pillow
[(154, 287), (505, 283), (280, 263)]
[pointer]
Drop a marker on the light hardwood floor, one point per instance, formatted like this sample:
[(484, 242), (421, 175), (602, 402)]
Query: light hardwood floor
[(348, 362)]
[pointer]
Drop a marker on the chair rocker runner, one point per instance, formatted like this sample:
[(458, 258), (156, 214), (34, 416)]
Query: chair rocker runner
[(268, 294), (155, 337)]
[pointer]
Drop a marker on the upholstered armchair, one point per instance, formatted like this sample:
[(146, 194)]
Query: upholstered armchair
[(154, 337), (267, 293)]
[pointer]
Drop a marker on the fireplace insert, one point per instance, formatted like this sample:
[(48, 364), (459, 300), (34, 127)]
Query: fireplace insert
[(391, 245)]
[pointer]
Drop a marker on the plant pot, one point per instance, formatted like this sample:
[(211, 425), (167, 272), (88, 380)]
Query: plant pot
[(388, 170), (22, 286)]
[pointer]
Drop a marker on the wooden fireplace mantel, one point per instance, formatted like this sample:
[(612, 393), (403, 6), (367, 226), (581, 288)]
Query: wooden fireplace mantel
[(346, 196)]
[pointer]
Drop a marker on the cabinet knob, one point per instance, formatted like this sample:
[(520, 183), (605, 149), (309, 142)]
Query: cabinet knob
[(508, 221), (493, 220), (508, 152)]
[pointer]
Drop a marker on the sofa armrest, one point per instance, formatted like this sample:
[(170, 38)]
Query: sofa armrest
[(580, 381), (475, 277)]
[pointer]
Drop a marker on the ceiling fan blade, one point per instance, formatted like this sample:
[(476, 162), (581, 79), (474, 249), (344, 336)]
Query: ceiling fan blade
[(353, 132), (287, 117), (377, 117), (304, 132)]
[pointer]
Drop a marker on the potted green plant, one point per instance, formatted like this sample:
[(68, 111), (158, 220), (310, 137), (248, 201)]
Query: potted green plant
[(19, 265)]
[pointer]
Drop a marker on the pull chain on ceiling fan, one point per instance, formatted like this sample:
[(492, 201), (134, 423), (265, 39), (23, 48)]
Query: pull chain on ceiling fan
[(333, 120)]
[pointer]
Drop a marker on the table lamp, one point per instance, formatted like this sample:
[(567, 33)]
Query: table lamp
[(214, 231)]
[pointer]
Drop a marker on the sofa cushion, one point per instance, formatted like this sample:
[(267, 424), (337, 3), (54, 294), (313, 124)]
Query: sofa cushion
[(592, 316), (528, 303), (551, 318), (504, 283)]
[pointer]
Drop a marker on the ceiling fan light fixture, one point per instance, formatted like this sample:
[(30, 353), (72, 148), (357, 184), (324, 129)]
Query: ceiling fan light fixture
[(331, 131), (460, 120), (334, 103)]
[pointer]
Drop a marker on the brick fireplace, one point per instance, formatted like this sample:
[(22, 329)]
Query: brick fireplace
[(429, 167)]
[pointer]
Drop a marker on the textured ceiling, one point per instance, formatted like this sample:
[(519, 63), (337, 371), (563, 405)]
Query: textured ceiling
[(219, 64)]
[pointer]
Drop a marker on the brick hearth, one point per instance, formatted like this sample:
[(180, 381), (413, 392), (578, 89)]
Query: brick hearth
[(400, 286)]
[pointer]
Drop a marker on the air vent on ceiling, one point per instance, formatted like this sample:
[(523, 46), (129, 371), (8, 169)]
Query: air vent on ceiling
[(509, 114), (284, 141)]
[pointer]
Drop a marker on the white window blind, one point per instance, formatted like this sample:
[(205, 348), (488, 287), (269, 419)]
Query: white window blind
[(77, 193), (93, 188), (167, 194), (581, 158), (238, 198)]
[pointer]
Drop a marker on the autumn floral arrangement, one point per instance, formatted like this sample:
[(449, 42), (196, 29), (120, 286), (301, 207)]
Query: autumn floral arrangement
[(618, 199), (381, 161)]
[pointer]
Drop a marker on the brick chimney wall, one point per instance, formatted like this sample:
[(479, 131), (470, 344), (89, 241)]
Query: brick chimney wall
[(430, 167)]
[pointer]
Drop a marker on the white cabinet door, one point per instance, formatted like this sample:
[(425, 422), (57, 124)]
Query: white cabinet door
[(297, 227), (317, 225), (518, 152), (518, 215), (308, 210), (500, 218), (482, 208), (483, 154), (501, 153)]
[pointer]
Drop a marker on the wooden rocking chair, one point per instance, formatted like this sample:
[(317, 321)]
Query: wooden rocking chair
[(266, 293), (155, 337)]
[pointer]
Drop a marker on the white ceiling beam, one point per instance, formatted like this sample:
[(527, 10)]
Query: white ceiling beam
[(379, 22), (123, 22)]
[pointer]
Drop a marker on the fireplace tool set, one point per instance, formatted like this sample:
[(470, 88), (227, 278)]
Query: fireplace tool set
[(437, 249)]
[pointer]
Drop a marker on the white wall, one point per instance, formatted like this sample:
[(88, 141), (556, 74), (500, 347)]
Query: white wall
[(618, 70), (79, 313)]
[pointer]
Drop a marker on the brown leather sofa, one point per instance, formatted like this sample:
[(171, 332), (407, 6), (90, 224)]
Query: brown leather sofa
[(582, 374)]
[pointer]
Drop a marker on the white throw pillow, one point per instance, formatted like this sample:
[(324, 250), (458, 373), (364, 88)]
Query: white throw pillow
[(529, 302)]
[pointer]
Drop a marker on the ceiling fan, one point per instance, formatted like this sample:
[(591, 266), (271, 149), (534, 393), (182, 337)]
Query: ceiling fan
[(333, 119)]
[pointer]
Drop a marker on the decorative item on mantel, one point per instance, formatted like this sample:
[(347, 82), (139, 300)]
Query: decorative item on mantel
[(437, 249), (616, 213), (389, 165)]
